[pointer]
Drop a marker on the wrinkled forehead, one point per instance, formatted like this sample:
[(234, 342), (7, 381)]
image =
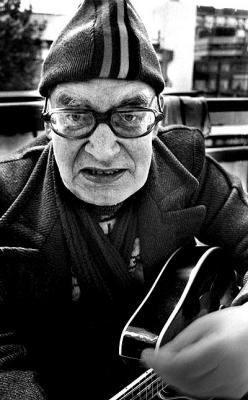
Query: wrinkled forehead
[(102, 94)]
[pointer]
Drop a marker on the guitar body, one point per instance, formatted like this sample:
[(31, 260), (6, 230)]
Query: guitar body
[(194, 281)]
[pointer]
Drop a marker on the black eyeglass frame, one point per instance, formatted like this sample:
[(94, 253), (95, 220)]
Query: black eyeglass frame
[(101, 118)]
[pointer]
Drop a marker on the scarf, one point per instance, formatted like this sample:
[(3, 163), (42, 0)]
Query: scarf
[(99, 262), (109, 293)]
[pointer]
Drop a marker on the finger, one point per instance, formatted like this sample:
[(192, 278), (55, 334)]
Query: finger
[(194, 332), (194, 360), (181, 382)]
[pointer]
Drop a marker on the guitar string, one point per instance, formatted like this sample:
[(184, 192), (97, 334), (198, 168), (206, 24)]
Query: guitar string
[(150, 396), (131, 391), (152, 391), (158, 380)]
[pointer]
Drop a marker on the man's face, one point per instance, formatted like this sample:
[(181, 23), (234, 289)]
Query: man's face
[(103, 169)]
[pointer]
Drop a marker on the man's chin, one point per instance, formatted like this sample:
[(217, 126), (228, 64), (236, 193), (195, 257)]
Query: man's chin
[(103, 199), (103, 196)]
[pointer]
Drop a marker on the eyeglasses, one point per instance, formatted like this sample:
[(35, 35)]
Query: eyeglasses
[(127, 123)]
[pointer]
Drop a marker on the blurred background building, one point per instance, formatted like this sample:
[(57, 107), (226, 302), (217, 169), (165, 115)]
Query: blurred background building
[(221, 52), (173, 22)]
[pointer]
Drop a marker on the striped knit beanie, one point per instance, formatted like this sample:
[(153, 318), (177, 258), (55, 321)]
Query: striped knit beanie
[(104, 39)]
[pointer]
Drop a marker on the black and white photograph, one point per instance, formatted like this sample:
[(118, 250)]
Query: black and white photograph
[(124, 200)]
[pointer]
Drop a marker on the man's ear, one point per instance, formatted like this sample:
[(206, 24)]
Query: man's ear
[(155, 131), (160, 105), (48, 130), (47, 126)]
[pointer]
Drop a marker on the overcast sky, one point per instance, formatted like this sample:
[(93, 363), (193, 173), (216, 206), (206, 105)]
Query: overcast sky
[(67, 7)]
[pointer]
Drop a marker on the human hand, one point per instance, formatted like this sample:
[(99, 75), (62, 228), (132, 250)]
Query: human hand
[(209, 358)]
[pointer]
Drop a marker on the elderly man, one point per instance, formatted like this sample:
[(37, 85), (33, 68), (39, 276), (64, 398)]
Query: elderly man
[(91, 212)]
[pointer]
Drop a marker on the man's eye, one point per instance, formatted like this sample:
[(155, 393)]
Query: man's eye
[(129, 117), (79, 119), (74, 117)]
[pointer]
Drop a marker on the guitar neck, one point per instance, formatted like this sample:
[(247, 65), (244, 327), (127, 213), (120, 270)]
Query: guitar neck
[(145, 387)]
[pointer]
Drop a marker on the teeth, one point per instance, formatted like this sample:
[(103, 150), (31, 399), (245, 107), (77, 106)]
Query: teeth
[(102, 172)]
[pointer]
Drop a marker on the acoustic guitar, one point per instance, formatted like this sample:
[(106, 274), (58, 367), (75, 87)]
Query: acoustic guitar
[(194, 281)]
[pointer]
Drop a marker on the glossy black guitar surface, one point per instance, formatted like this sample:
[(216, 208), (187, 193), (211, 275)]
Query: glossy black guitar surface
[(195, 280)]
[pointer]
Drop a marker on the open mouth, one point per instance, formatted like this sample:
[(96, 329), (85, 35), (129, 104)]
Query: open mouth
[(102, 175), (102, 172)]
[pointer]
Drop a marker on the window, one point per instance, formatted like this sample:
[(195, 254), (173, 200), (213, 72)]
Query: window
[(224, 85), (200, 85), (213, 67), (212, 84), (225, 67), (240, 83)]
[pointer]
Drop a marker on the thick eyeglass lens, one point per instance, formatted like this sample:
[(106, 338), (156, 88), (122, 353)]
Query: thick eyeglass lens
[(72, 123), (124, 123), (132, 123)]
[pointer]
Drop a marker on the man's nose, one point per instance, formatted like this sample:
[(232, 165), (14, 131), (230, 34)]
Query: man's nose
[(103, 144)]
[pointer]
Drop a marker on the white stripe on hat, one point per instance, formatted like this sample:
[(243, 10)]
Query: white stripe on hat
[(107, 38), (124, 53)]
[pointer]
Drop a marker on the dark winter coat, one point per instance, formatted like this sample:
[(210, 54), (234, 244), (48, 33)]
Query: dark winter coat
[(46, 346)]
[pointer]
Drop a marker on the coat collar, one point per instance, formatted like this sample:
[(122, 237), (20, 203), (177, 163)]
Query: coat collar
[(167, 219), (32, 215), (170, 183)]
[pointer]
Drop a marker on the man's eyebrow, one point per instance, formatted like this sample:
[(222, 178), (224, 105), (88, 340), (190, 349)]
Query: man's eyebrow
[(138, 100), (64, 99), (67, 100)]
